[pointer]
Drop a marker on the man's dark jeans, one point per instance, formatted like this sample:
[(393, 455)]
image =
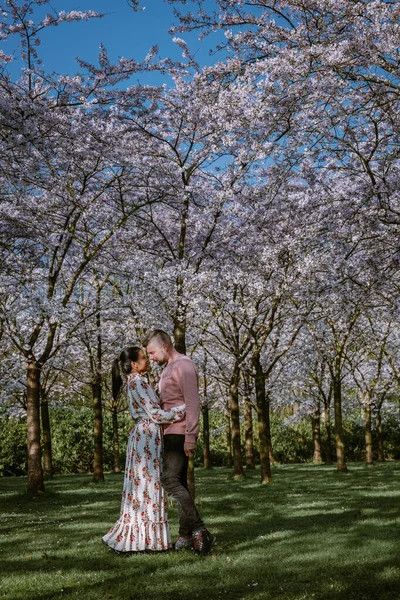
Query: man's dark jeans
[(174, 481)]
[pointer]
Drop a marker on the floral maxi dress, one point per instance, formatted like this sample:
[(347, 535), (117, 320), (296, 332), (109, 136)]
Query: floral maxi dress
[(143, 522)]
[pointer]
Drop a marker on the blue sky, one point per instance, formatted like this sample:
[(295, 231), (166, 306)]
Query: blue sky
[(123, 32)]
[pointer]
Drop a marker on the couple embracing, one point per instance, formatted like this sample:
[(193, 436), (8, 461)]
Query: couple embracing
[(159, 446)]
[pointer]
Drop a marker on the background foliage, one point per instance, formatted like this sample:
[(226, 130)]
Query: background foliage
[(73, 441)]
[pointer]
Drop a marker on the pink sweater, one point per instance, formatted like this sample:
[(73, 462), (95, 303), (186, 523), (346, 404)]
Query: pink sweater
[(179, 385)]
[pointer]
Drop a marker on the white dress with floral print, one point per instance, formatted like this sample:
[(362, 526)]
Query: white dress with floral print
[(143, 522)]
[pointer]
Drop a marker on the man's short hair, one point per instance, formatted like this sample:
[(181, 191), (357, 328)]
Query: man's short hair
[(158, 336)]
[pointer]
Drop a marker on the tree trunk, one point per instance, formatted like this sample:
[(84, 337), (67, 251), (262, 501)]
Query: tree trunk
[(316, 434), (46, 437), (35, 484), (328, 430), (98, 473), (268, 426), (206, 437), (206, 419), (179, 336), (228, 456), (180, 318), (180, 309), (117, 459), (235, 420), (368, 432), (380, 437), (266, 476), (339, 438), (248, 420)]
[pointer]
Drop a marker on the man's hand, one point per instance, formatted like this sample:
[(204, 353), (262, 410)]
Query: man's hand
[(189, 448)]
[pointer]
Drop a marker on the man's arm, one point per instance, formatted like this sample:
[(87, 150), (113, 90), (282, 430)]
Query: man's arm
[(189, 384)]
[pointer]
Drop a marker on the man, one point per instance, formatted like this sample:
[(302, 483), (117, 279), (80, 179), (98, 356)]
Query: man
[(179, 384)]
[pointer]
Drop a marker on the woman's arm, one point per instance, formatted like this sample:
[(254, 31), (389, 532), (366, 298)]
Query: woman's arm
[(145, 398)]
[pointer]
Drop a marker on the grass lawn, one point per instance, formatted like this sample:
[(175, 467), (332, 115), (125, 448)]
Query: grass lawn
[(312, 533)]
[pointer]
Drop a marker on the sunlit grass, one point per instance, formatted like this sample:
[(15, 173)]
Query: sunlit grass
[(313, 533)]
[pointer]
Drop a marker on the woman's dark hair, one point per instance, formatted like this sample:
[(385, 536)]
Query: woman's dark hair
[(123, 363)]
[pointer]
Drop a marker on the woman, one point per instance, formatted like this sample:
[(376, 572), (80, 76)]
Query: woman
[(143, 523)]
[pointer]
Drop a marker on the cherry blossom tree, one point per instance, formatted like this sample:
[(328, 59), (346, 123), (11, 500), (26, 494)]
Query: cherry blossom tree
[(371, 372), (72, 176), (306, 383)]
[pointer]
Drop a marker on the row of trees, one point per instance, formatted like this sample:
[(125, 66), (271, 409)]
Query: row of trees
[(252, 208)]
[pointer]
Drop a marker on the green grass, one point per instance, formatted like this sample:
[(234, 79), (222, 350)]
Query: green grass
[(313, 533)]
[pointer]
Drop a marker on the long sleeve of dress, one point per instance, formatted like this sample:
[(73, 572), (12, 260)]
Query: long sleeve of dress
[(144, 398)]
